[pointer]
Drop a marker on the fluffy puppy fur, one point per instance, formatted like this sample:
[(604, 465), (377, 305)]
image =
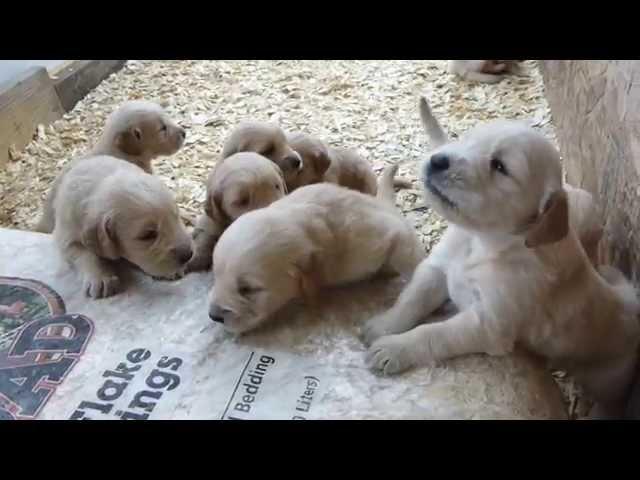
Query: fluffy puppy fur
[(318, 236), (138, 131), (484, 71), (344, 167), (268, 140), (321, 163), (238, 184), (512, 264), (108, 209)]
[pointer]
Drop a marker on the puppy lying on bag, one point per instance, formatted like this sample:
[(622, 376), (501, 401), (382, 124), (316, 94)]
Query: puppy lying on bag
[(238, 184), (138, 132), (107, 209), (321, 235), (512, 263)]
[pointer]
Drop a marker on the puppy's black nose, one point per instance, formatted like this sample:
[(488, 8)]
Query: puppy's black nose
[(292, 161), (438, 163), (216, 318), (184, 254)]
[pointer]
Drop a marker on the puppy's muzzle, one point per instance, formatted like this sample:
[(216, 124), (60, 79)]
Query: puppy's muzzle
[(439, 162), (217, 313)]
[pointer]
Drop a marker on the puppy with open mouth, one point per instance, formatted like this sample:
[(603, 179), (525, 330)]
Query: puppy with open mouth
[(512, 263)]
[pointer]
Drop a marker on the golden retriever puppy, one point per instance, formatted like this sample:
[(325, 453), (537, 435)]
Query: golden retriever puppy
[(138, 132), (321, 163), (585, 215), (109, 209), (513, 266), (318, 236), (268, 140), (238, 184), (484, 71), (344, 167)]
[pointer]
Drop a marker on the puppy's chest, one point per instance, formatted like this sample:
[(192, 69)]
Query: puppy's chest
[(462, 279)]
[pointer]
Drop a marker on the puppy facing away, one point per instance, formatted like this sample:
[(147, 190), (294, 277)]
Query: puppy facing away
[(138, 132), (108, 209), (513, 266), (484, 71), (268, 140), (238, 184), (321, 163), (319, 236)]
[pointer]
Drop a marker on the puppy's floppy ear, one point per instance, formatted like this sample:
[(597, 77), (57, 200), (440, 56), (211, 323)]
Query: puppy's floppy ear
[(130, 141), (305, 271), (213, 205), (281, 175), (552, 224), (321, 160), (99, 236)]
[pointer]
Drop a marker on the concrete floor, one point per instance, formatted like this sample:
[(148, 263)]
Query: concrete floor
[(10, 68)]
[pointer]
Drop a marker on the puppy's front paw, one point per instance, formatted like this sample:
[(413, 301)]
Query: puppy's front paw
[(376, 327), (101, 285), (389, 355)]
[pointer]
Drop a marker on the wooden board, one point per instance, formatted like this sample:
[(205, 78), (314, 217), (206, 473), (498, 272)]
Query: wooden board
[(26, 101), (75, 80), (595, 106)]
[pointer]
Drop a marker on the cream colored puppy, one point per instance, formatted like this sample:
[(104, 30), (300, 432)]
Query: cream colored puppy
[(108, 209), (138, 131), (238, 184), (268, 140), (344, 167), (321, 163), (512, 264), (485, 71), (318, 236)]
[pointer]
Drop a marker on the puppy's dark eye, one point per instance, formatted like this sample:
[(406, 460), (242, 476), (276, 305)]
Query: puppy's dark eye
[(277, 186), (148, 236), (163, 128), (246, 290), (498, 166)]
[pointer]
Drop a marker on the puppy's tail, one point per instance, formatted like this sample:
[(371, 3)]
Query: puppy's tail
[(47, 221), (435, 132), (386, 193)]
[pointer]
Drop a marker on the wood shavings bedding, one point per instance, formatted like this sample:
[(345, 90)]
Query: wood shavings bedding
[(367, 105)]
